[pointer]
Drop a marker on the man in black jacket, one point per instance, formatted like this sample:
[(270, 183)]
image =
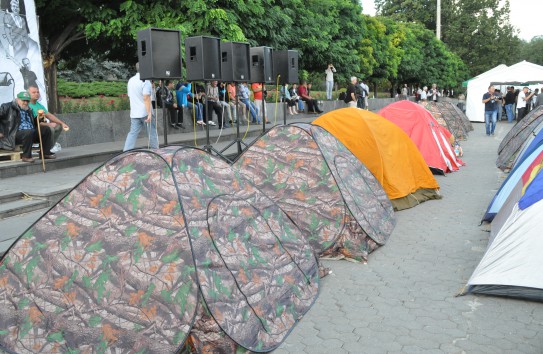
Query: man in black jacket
[(509, 102), (18, 126)]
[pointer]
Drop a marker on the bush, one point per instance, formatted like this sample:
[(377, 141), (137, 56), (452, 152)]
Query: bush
[(91, 89)]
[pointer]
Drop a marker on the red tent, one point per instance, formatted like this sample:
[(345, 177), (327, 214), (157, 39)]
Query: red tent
[(432, 139)]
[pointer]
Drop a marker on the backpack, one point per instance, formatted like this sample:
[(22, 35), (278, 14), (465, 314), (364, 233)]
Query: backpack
[(342, 96)]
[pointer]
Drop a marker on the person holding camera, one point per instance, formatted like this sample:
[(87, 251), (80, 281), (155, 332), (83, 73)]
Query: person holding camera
[(329, 80), (491, 110), (523, 97)]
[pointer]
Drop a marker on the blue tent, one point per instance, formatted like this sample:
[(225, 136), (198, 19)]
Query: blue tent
[(528, 156)]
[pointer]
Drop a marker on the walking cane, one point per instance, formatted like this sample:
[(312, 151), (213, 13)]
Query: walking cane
[(41, 114)]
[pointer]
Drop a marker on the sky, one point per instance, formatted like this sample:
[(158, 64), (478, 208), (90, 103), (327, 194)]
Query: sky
[(525, 16)]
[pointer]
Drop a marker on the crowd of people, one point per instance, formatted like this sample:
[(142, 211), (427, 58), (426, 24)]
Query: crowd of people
[(517, 103)]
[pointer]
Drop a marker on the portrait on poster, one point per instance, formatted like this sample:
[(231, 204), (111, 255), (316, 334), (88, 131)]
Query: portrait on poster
[(20, 55)]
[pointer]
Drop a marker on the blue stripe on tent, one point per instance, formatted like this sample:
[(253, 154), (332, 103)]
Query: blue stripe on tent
[(534, 144), (534, 192), (510, 182)]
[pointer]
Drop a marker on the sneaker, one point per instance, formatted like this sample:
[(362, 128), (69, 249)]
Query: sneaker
[(56, 148), (212, 123), (174, 126), (181, 125), (202, 123)]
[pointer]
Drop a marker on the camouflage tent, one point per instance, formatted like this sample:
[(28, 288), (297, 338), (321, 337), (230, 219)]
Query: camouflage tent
[(323, 187), (450, 116), (152, 252), (517, 137)]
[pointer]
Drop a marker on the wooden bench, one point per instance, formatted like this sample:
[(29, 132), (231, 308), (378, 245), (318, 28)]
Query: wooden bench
[(10, 156)]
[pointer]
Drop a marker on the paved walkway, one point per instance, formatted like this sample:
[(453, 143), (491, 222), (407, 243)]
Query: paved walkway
[(403, 300)]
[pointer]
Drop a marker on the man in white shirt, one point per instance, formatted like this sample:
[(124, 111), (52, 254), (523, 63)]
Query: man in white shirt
[(141, 114), (523, 97), (363, 99), (329, 80)]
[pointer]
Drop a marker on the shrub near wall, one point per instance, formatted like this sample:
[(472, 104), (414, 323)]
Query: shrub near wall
[(98, 96), (91, 89)]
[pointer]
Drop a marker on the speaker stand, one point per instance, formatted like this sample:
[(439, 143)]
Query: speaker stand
[(264, 116), (208, 147), (164, 111), (238, 141)]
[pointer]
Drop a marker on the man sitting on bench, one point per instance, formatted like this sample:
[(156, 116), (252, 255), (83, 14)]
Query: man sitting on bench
[(18, 126)]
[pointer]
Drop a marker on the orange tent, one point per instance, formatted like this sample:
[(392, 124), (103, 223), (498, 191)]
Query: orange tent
[(386, 151)]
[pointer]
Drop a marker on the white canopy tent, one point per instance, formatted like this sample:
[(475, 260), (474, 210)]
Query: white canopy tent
[(514, 75)]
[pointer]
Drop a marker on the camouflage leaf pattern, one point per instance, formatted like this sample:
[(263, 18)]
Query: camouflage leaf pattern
[(287, 165), (257, 274), (109, 268), (468, 127), (365, 197), (447, 116), (516, 137), (312, 180)]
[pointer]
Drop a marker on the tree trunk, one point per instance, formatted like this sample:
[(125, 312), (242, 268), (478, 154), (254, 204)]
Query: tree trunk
[(50, 72)]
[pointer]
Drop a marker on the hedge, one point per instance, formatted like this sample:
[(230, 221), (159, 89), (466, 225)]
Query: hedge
[(91, 89)]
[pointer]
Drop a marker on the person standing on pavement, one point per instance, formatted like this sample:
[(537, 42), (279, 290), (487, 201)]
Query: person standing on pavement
[(18, 126), (523, 97), (141, 113), (329, 80), (350, 94), (509, 102), (491, 110)]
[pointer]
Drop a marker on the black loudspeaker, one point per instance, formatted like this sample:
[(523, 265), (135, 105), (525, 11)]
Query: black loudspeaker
[(235, 62), (159, 53), (202, 58), (262, 65), (285, 64)]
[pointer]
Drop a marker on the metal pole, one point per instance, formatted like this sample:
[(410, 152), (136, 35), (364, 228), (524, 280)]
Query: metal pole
[(264, 117), (438, 20), (164, 112)]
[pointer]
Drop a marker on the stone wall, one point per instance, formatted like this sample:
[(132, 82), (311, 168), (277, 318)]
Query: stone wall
[(88, 128)]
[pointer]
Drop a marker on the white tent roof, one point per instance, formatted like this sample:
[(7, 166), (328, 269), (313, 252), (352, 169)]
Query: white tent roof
[(477, 87)]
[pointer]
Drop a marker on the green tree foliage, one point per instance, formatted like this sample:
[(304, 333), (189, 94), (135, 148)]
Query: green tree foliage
[(380, 50), (478, 31), (532, 51), (427, 60), (323, 31)]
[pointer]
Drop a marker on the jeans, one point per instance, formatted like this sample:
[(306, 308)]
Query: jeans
[(509, 110), (490, 116), (329, 89), (135, 127), (199, 110), (300, 105), (251, 106)]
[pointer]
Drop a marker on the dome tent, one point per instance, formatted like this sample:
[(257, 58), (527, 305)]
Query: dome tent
[(336, 201), (387, 152), (154, 250), (432, 140)]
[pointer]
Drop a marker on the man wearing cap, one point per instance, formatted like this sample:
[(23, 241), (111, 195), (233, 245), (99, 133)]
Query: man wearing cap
[(17, 124)]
